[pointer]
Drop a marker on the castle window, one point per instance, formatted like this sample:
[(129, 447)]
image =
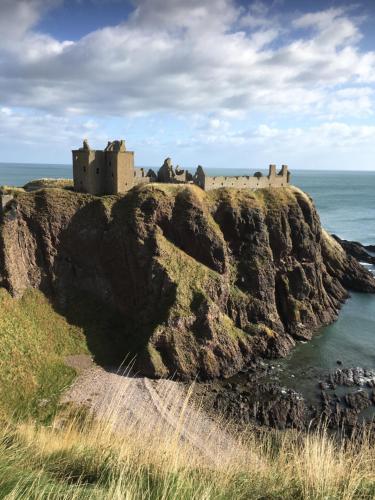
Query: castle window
[(97, 170), (84, 169)]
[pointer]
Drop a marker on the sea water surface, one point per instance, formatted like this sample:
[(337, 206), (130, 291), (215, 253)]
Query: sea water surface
[(346, 204)]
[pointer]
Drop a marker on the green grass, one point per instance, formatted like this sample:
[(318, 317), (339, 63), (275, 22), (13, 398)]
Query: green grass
[(34, 340), (36, 184), (89, 459)]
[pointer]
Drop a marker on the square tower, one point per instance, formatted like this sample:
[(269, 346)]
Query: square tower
[(120, 167), (88, 169), (103, 172)]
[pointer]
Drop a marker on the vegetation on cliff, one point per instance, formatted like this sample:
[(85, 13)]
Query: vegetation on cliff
[(34, 341), (199, 284), (194, 283)]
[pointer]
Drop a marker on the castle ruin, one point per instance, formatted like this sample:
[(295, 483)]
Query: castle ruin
[(112, 171)]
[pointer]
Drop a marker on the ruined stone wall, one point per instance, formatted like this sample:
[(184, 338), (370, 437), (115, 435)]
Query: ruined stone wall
[(244, 181), (112, 171), (140, 176), (181, 176)]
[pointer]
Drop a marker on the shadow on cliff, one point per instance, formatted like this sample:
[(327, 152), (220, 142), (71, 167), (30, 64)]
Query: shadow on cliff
[(107, 279)]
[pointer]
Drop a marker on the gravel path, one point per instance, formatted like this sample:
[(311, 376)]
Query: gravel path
[(161, 407)]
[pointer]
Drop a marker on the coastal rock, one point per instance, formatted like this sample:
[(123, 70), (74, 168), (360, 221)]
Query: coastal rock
[(201, 284), (357, 250), (263, 404), (349, 377), (254, 398), (359, 400)]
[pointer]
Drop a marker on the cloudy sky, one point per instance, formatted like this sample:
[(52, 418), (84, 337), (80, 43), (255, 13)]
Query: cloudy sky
[(224, 83)]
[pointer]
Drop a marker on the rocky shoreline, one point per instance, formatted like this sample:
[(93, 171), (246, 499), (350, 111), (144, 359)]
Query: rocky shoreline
[(346, 400), (357, 250), (345, 397)]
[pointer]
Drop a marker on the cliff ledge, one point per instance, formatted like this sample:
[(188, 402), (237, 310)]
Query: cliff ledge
[(200, 284)]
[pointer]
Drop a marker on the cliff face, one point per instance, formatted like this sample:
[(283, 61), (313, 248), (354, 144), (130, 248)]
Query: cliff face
[(204, 283)]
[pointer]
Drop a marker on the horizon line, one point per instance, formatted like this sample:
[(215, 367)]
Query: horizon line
[(188, 167)]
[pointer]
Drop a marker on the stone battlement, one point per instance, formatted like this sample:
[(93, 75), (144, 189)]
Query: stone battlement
[(112, 171)]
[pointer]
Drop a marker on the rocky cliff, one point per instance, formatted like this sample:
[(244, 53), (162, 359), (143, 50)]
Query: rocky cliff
[(200, 284)]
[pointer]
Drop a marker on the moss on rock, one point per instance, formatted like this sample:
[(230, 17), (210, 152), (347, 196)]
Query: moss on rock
[(198, 284)]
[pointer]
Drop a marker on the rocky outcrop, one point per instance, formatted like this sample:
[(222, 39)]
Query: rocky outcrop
[(357, 250), (200, 283), (346, 402)]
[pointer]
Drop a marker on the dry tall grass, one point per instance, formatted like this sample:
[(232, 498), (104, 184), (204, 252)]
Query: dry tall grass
[(80, 456)]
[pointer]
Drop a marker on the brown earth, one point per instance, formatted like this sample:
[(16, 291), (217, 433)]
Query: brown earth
[(195, 284)]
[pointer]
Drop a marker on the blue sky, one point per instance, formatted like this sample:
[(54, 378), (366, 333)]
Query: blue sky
[(222, 83)]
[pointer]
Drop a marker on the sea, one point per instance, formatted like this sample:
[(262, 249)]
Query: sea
[(346, 203)]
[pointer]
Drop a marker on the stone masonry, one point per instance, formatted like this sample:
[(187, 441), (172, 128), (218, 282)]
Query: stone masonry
[(112, 171)]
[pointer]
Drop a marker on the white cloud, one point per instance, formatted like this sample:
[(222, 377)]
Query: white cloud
[(45, 129), (332, 28), (218, 65), (325, 136), (179, 56)]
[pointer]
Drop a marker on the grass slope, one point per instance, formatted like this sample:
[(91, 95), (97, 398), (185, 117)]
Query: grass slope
[(34, 339), (86, 459)]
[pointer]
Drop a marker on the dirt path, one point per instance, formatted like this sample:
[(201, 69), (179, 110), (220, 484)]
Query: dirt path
[(160, 407)]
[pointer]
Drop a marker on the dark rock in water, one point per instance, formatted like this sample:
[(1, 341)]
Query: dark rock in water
[(346, 411), (339, 362), (254, 399), (358, 400), (370, 248), (356, 250), (352, 376), (203, 283), (265, 404)]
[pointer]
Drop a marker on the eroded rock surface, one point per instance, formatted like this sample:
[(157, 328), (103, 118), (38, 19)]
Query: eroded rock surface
[(203, 283), (344, 402), (357, 250)]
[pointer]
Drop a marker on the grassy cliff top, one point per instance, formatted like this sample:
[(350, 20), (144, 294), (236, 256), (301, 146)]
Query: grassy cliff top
[(36, 184), (265, 197)]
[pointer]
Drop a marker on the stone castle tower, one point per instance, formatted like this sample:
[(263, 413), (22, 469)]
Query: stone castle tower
[(103, 172)]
